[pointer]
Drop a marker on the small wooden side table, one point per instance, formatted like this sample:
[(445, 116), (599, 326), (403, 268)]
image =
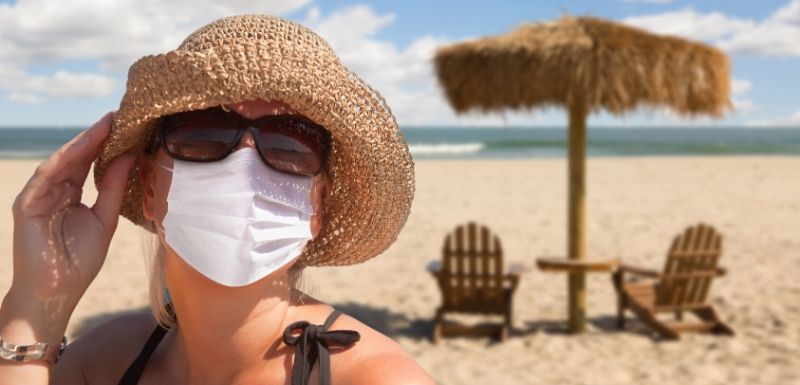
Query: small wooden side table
[(565, 265), (577, 315)]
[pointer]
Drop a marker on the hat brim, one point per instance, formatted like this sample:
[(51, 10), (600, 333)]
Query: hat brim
[(370, 167)]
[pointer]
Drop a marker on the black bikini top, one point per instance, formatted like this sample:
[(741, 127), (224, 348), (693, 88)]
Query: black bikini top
[(310, 345)]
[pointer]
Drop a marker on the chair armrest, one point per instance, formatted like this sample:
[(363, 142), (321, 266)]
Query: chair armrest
[(624, 268), (516, 269), (434, 266), (721, 271)]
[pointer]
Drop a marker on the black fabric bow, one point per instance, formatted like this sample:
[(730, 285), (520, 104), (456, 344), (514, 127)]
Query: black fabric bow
[(312, 343)]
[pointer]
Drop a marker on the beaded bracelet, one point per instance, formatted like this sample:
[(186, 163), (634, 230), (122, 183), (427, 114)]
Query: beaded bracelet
[(38, 351)]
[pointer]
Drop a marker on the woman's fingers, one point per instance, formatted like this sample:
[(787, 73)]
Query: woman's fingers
[(70, 163), (78, 161), (81, 150), (112, 190)]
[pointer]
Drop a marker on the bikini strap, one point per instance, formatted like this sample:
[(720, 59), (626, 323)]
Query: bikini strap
[(313, 343), (131, 376), (331, 319)]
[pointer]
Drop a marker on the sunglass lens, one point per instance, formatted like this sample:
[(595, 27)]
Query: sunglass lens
[(200, 135), (293, 145)]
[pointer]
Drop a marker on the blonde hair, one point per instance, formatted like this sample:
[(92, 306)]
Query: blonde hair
[(157, 285), (157, 280)]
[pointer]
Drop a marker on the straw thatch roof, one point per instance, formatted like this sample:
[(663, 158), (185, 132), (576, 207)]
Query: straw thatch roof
[(584, 60)]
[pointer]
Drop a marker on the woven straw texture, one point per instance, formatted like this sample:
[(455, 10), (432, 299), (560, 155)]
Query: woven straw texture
[(251, 57)]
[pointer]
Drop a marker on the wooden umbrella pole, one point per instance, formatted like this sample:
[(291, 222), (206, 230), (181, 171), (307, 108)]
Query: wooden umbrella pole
[(576, 216)]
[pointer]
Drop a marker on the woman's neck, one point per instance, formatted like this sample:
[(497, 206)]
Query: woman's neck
[(226, 334)]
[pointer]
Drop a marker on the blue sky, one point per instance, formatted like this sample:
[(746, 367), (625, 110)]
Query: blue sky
[(64, 62)]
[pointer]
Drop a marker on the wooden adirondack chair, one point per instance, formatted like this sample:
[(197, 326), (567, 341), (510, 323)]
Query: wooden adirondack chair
[(472, 280), (682, 286)]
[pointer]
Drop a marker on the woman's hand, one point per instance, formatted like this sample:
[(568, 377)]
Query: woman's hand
[(60, 244)]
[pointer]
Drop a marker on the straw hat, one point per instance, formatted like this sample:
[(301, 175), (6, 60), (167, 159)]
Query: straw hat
[(263, 57)]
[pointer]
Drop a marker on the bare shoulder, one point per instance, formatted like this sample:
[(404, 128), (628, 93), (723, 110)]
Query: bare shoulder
[(102, 354), (375, 359)]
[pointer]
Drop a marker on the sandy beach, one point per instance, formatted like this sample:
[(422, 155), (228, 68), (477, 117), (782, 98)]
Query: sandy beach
[(634, 208)]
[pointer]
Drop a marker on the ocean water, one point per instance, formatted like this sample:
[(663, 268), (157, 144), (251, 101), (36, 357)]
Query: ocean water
[(501, 142), (498, 142)]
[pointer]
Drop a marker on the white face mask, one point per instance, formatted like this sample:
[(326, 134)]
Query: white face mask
[(236, 220)]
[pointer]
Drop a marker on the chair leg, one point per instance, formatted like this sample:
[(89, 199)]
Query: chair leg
[(709, 315), (616, 278), (621, 311), (503, 333), (508, 316), (437, 326), (437, 333)]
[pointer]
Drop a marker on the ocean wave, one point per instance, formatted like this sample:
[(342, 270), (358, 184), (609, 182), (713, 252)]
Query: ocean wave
[(446, 148)]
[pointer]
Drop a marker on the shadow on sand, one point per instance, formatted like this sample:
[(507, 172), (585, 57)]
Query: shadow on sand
[(396, 324), (392, 324), (605, 324)]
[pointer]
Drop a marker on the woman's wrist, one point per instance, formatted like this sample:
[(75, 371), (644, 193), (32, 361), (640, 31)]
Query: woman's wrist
[(26, 320)]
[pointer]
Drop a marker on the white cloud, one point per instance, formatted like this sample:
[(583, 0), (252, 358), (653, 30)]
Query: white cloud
[(740, 86), (313, 14), (777, 35), (49, 31), (689, 23), (24, 87), (739, 89), (404, 76), (114, 34), (792, 120), (24, 98), (350, 33), (743, 105)]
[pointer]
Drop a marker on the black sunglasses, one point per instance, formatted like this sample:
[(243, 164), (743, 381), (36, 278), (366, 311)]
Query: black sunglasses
[(292, 144)]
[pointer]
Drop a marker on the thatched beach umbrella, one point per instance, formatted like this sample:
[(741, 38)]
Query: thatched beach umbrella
[(585, 64)]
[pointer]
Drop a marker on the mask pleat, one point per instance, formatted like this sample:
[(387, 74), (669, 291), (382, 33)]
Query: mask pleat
[(237, 220)]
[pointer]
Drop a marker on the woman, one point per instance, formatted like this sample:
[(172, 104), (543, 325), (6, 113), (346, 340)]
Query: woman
[(250, 152)]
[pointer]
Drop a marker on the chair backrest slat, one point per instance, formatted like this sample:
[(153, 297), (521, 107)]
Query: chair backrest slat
[(472, 273), (471, 289), (497, 256), (486, 277), (459, 273), (690, 266)]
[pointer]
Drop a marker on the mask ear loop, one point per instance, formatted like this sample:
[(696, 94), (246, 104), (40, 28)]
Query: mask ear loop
[(170, 169), (159, 226)]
